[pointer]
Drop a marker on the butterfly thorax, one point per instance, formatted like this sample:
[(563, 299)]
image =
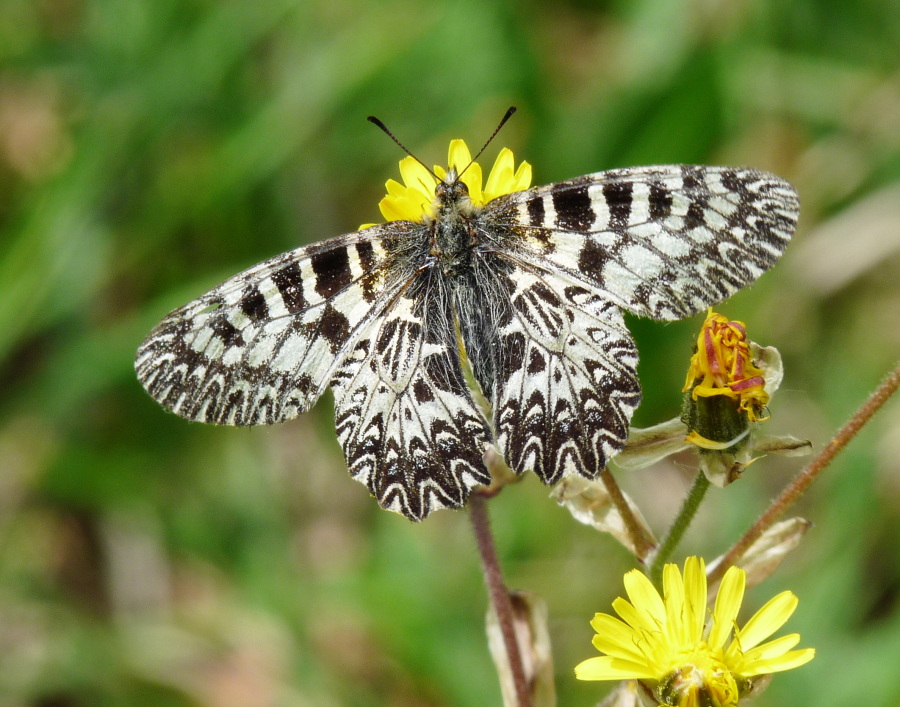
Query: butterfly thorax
[(453, 230)]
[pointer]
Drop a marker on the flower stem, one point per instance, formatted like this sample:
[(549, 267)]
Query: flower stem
[(643, 546), (679, 526), (499, 594), (799, 485)]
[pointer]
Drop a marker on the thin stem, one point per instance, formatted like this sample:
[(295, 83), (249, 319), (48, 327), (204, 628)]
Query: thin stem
[(643, 546), (799, 485), (499, 594), (679, 526)]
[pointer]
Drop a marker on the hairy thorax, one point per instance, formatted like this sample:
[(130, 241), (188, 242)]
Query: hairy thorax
[(453, 232)]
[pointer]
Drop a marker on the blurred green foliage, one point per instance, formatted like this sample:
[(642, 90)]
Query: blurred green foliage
[(149, 149)]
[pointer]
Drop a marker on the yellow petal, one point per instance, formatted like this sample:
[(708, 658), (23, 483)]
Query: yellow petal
[(503, 179), (761, 659), (639, 619), (415, 176), (394, 188), (415, 197), (695, 598), (788, 661), (767, 620), (673, 592), (472, 179), (699, 440), (748, 663), (643, 594), (392, 208), (501, 174), (728, 603), (458, 156), (522, 179), (606, 668), (409, 206), (615, 638)]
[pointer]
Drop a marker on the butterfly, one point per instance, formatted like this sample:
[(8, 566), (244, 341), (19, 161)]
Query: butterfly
[(527, 285)]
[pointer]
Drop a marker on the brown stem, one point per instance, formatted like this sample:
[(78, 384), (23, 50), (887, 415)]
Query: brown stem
[(642, 545), (799, 485), (499, 594)]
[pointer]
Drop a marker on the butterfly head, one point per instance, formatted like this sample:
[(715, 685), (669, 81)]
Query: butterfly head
[(453, 193)]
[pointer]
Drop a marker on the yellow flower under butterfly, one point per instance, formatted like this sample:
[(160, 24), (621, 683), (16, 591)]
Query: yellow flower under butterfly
[(414, 200), (681, 657)]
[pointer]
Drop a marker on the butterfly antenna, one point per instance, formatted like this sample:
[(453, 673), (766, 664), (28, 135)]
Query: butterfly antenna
[(506, 116), (384, 128)]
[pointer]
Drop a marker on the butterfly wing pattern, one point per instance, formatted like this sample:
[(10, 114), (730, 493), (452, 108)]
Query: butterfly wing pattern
[(661, 242), (261, 347), (408, 424), (532, 286)]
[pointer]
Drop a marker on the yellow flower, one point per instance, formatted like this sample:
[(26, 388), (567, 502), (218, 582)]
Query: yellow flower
[(726, 390), (722, 366), (677, 654), (414, 200)]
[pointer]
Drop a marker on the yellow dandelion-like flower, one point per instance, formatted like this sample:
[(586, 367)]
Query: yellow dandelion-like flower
[(726, 390), (679, 655), (414, 200), (722, 366)]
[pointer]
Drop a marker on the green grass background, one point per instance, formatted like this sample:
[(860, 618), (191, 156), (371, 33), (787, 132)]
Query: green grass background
[(151, 148)]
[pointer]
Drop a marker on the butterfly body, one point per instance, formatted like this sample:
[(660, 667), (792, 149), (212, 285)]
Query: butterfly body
[(533, 282)]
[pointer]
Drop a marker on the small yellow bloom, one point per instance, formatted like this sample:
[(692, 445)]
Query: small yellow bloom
[(414, 200), (726, 391), (722, 366), (680, 656)]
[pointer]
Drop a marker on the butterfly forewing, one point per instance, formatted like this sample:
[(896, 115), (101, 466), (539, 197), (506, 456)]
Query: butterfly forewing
[(662, 242), (261, 347)]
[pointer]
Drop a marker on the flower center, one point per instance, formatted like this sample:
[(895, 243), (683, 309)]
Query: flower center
[(701, 679)]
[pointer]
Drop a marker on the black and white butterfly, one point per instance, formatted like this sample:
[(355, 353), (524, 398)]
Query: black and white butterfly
[(530, 286)]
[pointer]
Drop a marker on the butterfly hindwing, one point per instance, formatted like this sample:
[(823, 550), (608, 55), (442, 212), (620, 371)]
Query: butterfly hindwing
[(559, 367), (404, 415)]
